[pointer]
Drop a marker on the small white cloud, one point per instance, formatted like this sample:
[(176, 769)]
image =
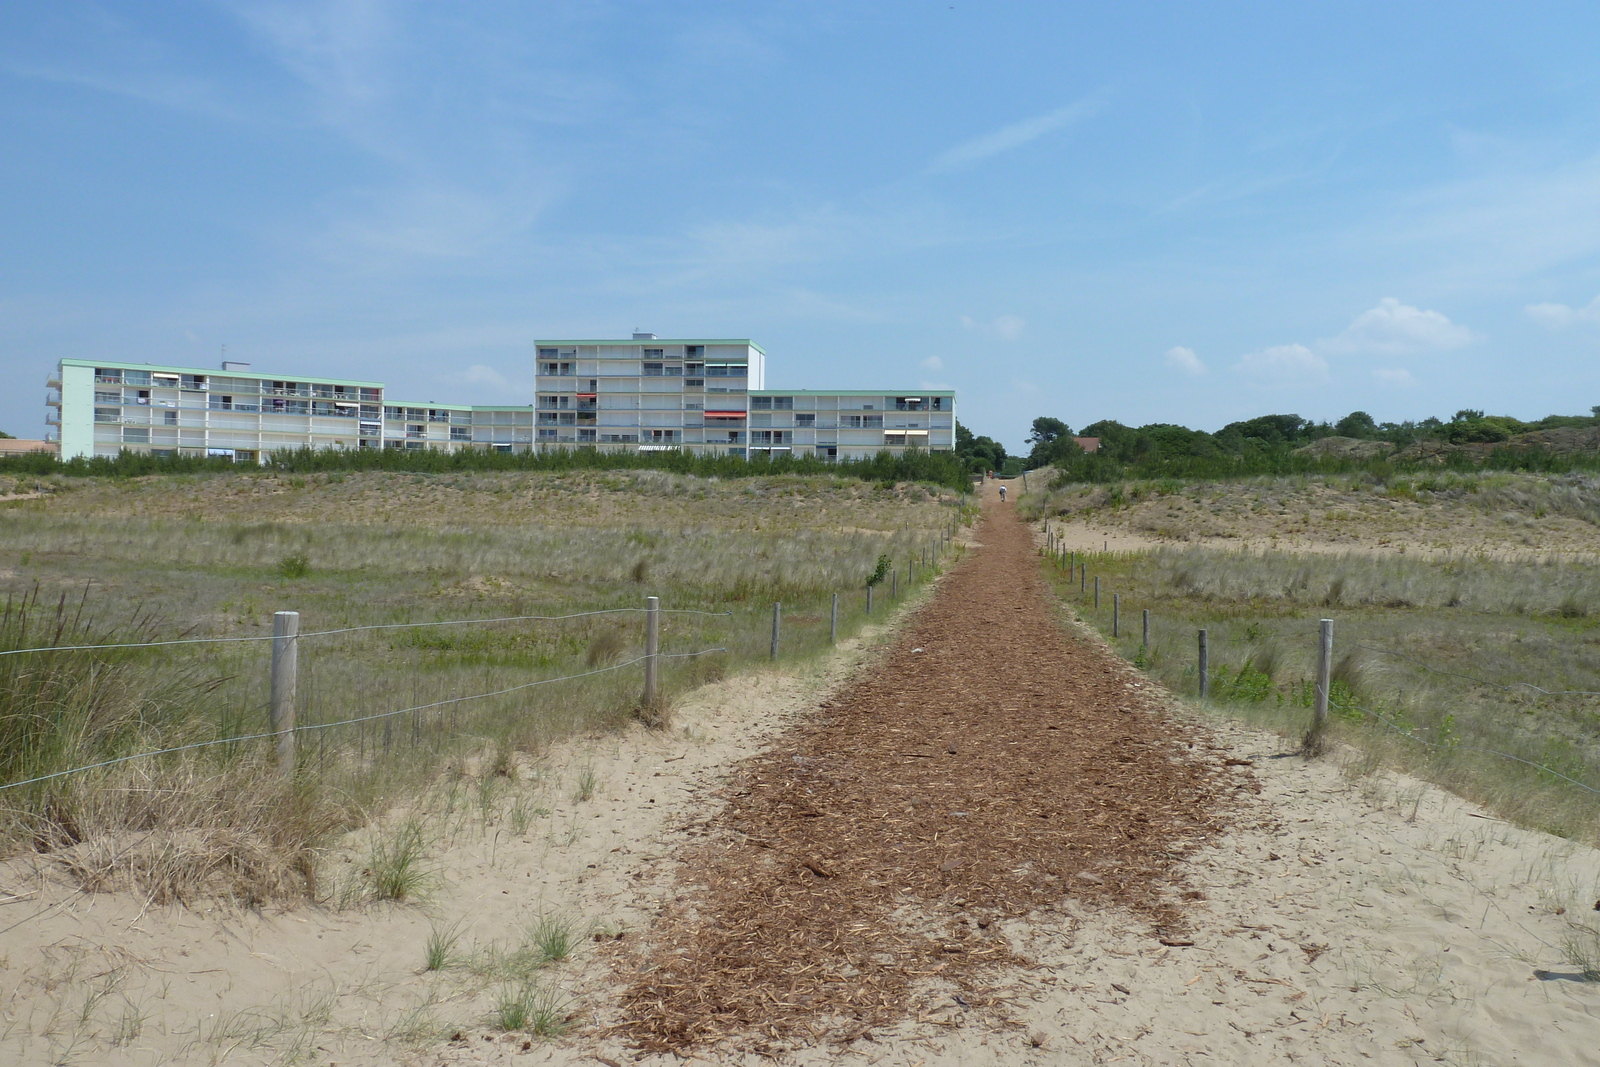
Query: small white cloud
[(932, 363), (480, 374), (1184, 359), (1005, 327), (1017, 134), (925, 384), (1393, 328), (1284, 363), (1555, 316), (1395, 376)]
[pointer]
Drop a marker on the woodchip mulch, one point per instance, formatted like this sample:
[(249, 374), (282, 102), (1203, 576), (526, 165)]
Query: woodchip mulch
[(989, 765)]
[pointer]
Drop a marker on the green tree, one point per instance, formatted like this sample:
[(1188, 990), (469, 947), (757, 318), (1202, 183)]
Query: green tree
[(978, 453), (5, 436), (1356, 424)]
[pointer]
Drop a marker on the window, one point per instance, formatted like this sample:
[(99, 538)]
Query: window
[(370, 396), (938, 403), (694, 368), (586, 436), (761, 403), (107, 415), (107, 375), (416, 430), (136, 435), (569, 369), (654, 353), (692, 351), (393, 412), (107, 398), (652, 370), (194, 381), (460, 433), (694, 383), (547, 435), (369, 411), (548, 353), (806, 419), (861, 421), (169, 418), (549, 368), (438, 415)]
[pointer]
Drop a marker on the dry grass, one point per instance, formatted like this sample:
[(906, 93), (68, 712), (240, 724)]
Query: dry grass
[(1450, 618), (1500, 514), (222, 552)]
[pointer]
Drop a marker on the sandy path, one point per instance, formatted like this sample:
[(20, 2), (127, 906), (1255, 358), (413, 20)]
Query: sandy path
[(871, 865), (1348, 918)]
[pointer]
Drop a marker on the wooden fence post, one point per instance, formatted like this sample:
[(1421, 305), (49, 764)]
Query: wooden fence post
[(285, 682), (1097, 592), (1144, 641), (869, 600), (652, 648), (833, 622), (1116, 614), (777, 614), (1319, 711), (1205, 666)]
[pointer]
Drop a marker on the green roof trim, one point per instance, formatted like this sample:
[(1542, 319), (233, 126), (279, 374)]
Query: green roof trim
[(213, 372), (852, 392), (660, 341)]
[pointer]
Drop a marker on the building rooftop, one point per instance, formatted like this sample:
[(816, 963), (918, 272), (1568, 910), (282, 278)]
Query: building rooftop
[(656, 342), (213, 372)]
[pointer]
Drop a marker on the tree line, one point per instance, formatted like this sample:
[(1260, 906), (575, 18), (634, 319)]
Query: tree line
[(1263, 445)]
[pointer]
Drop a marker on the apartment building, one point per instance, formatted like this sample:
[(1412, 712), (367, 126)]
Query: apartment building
[(644, 393), (709, 395), (103, 407)]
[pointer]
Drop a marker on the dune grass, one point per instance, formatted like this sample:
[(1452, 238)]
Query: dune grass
[(1428, 657), (192, 555)]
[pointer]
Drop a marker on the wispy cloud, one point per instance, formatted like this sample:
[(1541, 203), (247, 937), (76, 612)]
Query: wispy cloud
[(1017, 134), (1184, 359), (1398, 377), (1283, 363), (1005, 327), (933, 364), (1556, 316)]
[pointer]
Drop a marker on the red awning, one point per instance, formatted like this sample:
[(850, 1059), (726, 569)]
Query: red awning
[(586, 396), (724, 414)]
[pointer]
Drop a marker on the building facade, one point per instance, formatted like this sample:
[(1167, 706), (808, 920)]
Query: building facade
[(709, 395), (103, 407), (644, 394)]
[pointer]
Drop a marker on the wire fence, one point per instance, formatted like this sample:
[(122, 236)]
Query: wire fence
[(353, 721), (1076, 567), (357, 629), (289, 704)]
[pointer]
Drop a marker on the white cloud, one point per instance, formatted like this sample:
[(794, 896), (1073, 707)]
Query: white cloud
[(1396, 376), (1393, 328), (1284, 363), (1556, 316), (1016, 134), (932, 363), (482, 374), (1184, 359), (1006, 327)]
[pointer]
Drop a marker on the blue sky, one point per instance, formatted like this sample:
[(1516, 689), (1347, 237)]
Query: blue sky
[(1153, 212)]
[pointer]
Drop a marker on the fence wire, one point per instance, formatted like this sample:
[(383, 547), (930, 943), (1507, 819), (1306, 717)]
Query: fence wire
[(352, 722), (1411, 736), (357, 629)]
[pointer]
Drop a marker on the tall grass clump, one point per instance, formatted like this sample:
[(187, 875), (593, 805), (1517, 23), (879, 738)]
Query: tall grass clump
[(195, 823), (1434, 670)]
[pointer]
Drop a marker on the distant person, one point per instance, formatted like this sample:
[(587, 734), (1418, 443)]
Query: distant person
[(1002, 494)]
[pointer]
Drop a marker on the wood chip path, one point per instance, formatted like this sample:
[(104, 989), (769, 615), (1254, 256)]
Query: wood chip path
[(988, 765)]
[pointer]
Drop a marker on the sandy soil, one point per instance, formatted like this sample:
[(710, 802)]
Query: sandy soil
[(1345, 918), (1325, 518)]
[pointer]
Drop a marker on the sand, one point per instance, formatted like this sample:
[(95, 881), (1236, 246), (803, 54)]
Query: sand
[(1349, 917)]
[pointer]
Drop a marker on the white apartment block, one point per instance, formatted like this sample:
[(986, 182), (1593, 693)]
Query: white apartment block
[(709, 395), (643, 394), (103, 407)]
